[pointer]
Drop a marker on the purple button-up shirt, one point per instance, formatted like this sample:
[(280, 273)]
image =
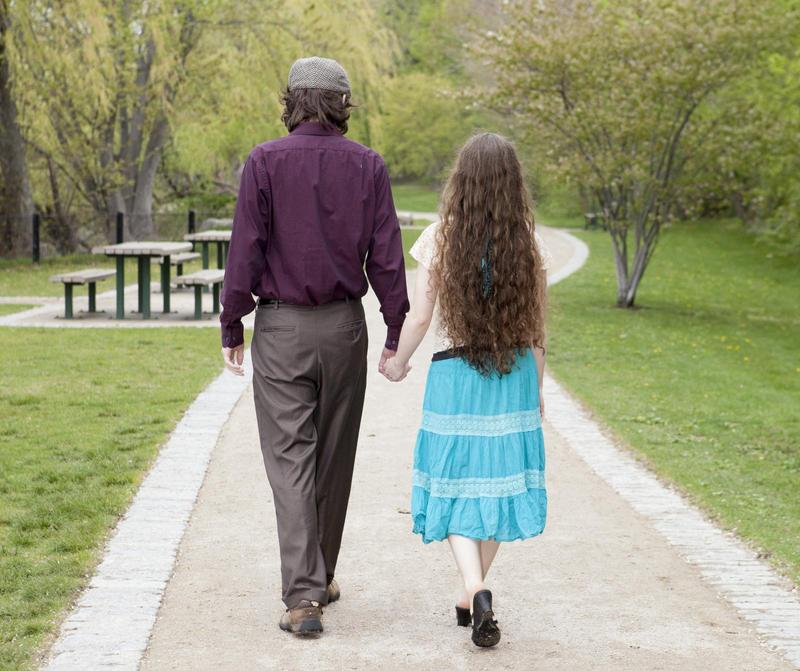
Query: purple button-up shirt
[(314, 212)]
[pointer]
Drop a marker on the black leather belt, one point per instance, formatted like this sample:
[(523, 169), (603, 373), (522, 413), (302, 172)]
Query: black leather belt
[(275, 302)]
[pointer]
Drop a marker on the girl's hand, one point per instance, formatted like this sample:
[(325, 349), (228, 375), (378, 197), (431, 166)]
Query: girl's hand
[(396, 370)]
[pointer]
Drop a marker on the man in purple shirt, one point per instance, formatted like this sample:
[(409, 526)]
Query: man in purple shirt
[(314, 213)]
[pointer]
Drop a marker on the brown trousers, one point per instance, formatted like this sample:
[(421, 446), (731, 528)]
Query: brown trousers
[(309, 379)]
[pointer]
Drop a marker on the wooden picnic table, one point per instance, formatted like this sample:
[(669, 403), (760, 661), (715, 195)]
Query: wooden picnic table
[(205, 238), (143, 251)]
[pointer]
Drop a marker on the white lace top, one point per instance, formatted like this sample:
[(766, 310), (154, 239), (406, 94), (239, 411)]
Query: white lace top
[(424, 252)]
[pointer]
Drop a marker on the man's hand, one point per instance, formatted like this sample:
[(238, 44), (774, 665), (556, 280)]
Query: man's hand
[(385, 356), (396, 370), (233, 357)]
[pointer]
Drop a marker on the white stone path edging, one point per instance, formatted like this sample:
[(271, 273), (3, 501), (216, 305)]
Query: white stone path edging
[(110, 625), (760, 595)]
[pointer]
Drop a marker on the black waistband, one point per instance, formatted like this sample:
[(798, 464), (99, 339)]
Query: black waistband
[(451, 353), (454, 352), (276, 302)]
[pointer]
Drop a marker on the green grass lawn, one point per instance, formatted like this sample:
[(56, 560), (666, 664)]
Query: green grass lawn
[(82, 414), (415, 197), (11, 308), (409, 238), (703, 379), (20, 277)]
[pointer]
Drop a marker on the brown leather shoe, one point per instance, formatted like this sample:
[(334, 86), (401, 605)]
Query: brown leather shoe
[(304, 619), (333, 591)]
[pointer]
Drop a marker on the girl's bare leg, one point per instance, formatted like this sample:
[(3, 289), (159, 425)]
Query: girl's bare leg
[(488, 550), (467, 553)]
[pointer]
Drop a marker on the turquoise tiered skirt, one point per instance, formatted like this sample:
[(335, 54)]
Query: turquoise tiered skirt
[(479, 457)]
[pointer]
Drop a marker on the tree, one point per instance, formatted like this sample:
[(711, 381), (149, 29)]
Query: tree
[(15, 196), (221, 116), (99, 83), (611, 92), (423, 123)]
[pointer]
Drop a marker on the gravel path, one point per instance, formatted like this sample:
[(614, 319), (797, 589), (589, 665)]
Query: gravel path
[(601, 589)]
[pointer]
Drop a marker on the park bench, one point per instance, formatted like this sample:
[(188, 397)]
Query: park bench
[(405, 219), (90, 276), (594, 220), (202, 278), (178, 259)]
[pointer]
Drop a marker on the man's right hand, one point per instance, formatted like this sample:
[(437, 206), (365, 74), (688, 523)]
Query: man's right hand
[(234, 357), (385, 356)]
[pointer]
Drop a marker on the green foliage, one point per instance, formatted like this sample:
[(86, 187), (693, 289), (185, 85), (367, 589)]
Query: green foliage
[(104, 89), (703, 380), (75, 440), (423, 124), (610, 91), (238, 105), (778, 189), (427, 32)]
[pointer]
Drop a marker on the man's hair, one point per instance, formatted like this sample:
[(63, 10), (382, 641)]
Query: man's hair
[(326, 107)]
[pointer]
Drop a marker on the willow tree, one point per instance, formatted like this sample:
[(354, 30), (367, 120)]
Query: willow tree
[(99, 80), (611, 90), (219, 118)]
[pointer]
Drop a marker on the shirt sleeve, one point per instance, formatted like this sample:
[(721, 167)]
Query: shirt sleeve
[(423, 251), (247, 254), (385, 265)]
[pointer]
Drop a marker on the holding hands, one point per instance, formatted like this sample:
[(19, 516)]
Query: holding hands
[(395, 369), (390, 366)]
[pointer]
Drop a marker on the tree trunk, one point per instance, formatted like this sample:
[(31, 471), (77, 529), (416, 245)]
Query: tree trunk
[(16, 206), (628, 281), (142, 210), (61, 228)]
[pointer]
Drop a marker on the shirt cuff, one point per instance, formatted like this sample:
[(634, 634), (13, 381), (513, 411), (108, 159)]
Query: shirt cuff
[(232, 334), (392, 338)]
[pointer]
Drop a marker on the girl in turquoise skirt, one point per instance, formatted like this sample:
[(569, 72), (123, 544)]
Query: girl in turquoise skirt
[(478, 476)]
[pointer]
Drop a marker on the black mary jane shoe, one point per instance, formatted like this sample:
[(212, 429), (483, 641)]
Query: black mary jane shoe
[(485, 632), (463, 617)]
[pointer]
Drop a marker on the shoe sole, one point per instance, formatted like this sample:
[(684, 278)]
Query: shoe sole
[(305, 628), (486, 634)]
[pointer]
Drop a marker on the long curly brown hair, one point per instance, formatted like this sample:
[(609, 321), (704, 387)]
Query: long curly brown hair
[(490, 275)]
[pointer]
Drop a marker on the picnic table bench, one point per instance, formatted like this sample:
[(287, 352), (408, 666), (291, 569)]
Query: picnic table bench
[(143, 252), (178, 260), (199, 280), (204, 238), (90, 276)]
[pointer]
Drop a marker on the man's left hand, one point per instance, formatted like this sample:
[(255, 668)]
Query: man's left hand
[(234, 357)]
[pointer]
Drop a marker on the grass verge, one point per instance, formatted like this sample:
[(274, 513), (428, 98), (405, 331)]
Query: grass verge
[(703, 379), (82, 413), (415, 197), (11, 308)]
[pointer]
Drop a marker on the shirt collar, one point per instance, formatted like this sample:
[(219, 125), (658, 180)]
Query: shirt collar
[(314, 128)]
